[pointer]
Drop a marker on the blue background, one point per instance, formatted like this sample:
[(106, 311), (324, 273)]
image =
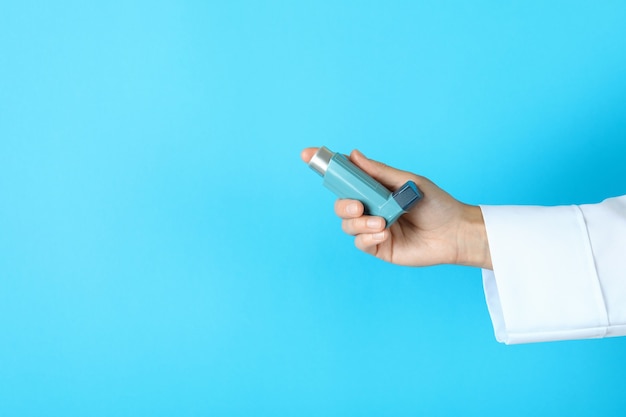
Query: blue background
[(164, 251)]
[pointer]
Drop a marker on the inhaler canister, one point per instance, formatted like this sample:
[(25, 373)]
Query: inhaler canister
[(347, 180)]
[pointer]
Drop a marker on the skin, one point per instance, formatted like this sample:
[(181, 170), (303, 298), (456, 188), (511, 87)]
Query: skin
[(438, 230)]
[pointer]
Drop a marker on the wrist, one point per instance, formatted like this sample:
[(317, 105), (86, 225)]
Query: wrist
[(472, 242)]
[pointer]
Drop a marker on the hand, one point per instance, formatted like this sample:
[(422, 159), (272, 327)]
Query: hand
[(438, 230)]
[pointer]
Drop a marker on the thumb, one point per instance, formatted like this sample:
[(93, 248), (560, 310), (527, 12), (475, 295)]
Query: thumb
[(389, 177)]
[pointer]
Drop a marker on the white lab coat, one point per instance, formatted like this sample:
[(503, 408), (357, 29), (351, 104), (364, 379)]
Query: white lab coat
[(558, 272)]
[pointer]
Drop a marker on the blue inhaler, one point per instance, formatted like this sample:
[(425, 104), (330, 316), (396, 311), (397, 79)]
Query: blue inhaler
[(347, 180)]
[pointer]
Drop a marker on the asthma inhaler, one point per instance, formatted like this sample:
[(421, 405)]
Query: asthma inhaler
[(347, 180)]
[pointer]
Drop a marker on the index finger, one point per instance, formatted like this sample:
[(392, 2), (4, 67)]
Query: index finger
[(349, 209)]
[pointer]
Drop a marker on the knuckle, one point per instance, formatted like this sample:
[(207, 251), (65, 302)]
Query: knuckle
[(359, 243), (346, 226), (363, 224), (339, 207)]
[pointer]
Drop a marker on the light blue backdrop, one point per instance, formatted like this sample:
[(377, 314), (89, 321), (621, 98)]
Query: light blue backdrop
[(164, 252)]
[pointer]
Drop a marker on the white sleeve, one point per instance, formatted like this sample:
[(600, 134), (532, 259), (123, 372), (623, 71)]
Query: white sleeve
[(559, 273)]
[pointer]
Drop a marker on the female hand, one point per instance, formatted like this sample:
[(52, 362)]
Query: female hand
[(438, 230)]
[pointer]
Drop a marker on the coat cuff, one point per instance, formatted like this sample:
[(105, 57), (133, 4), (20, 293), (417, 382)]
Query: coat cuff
[(544, 285)]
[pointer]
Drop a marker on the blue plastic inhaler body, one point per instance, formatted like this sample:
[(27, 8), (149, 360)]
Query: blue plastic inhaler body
[(347, 180)]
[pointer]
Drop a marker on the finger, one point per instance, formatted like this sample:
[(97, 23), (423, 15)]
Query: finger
[(386, 175), (368, 242), (363, 224), (307, 154), (349, 209)]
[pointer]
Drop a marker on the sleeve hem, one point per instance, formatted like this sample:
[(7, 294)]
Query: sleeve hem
[(544, 285)]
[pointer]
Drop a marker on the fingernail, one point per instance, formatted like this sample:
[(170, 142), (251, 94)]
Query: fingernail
[(374, 223), (378, 236), (352, 208)]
